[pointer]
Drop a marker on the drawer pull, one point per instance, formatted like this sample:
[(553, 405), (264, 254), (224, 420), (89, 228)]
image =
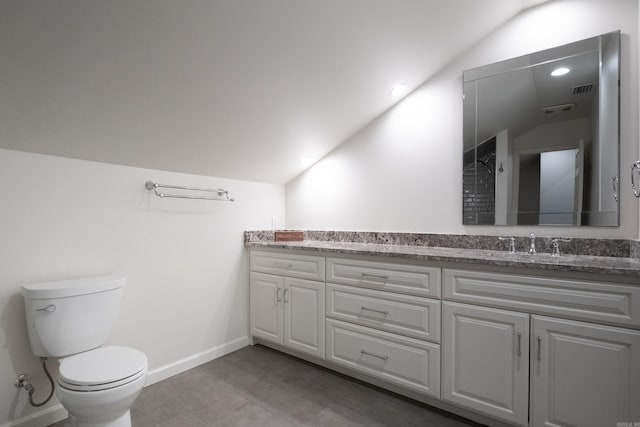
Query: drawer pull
[(384, 313), (363, 352), (285, 295), (375, 276), (539, 348), (278, 297), (519, 344), (282, 265)]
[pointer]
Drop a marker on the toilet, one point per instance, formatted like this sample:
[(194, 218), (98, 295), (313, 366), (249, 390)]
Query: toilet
[(71, 320)]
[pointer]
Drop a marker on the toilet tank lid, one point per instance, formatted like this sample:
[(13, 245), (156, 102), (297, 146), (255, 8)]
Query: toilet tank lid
[(72, 287)]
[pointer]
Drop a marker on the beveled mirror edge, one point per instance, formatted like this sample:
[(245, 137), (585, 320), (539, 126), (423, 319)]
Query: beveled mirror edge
[(579, 47), (521, 62)]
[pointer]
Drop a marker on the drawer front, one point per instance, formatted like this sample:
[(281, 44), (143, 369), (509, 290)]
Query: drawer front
[(290, 265), (402, 314), (402, 278), (405, 362), (596, 301)]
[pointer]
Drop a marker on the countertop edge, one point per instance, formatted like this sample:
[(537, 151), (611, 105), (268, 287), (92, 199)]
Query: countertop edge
[(584, 264)]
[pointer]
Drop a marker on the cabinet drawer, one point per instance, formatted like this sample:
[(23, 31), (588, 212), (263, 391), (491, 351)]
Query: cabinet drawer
[(403, 278), (290, 265), (405, 362), (581, 299), (403, 314)]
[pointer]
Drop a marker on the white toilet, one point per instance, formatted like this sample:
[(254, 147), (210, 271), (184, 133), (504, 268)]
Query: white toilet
[(71, 320)]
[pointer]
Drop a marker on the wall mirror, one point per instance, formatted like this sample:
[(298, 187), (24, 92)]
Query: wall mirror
[(541, 137)]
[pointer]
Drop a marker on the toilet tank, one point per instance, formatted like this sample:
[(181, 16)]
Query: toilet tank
[(71, 316)]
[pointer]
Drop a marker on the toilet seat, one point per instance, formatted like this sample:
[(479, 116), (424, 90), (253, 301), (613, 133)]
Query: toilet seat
[(102, 369)]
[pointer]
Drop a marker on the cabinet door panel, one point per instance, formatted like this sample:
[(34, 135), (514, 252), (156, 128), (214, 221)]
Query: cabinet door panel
[(265, 310), (304, 316), (486, 360), (584, 374)]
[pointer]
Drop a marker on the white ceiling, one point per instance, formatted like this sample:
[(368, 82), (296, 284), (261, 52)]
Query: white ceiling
[(237, 88)]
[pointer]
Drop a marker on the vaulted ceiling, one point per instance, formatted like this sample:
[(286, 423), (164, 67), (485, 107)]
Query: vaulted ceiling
[(236, 88)]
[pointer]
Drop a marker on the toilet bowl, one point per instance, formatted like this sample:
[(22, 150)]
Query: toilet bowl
[(72, 320), (99, 386)]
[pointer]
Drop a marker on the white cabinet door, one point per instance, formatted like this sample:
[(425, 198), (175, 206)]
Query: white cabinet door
[(304, 316), (265, 312), (485, 361), (584, 374)]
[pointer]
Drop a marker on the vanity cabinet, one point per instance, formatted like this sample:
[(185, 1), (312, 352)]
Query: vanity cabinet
[(288, 310), (500, 347), (529, 369)]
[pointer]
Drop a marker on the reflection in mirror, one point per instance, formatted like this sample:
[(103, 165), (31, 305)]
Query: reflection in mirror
[(541, 137)]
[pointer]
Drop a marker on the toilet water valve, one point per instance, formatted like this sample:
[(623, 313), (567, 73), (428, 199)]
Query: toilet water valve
[(23, 381)]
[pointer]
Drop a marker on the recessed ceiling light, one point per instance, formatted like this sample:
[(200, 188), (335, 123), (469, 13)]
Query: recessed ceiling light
[(398, 89), (560, 71)]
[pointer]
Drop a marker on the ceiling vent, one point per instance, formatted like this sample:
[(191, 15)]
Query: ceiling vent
[(562, 108), (582, 89)]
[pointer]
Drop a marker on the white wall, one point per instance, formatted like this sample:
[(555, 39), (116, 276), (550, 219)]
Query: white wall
[(403, 172), (187, 271)]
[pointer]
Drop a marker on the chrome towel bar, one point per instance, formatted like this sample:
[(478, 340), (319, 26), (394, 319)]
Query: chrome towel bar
[(221, 193)]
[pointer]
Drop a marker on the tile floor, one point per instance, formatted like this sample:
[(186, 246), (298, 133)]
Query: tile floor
[(257, 386)]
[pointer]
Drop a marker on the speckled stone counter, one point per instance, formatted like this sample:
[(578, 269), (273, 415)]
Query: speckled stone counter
[(446, 252)]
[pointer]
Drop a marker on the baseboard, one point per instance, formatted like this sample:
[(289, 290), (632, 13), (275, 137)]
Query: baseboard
[(58, 413), (182, 365), (41, 418)]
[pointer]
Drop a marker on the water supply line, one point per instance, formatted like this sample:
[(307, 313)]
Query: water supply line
[(23, 382)]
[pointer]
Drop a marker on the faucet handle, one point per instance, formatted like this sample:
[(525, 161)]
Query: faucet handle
[(532, 243), (556, 245), (512, 243)]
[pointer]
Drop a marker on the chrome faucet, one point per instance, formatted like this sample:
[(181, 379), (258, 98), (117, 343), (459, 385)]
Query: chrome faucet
[(512, 243), (532, 244), (556, 246)]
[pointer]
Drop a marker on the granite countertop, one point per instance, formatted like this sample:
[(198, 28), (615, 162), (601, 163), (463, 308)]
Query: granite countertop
[(620, 266)]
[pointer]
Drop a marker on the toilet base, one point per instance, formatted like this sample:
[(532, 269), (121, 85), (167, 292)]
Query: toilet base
[(122, 421)]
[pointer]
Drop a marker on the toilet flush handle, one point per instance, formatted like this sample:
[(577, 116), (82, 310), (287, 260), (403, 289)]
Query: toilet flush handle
[(49, 309)]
